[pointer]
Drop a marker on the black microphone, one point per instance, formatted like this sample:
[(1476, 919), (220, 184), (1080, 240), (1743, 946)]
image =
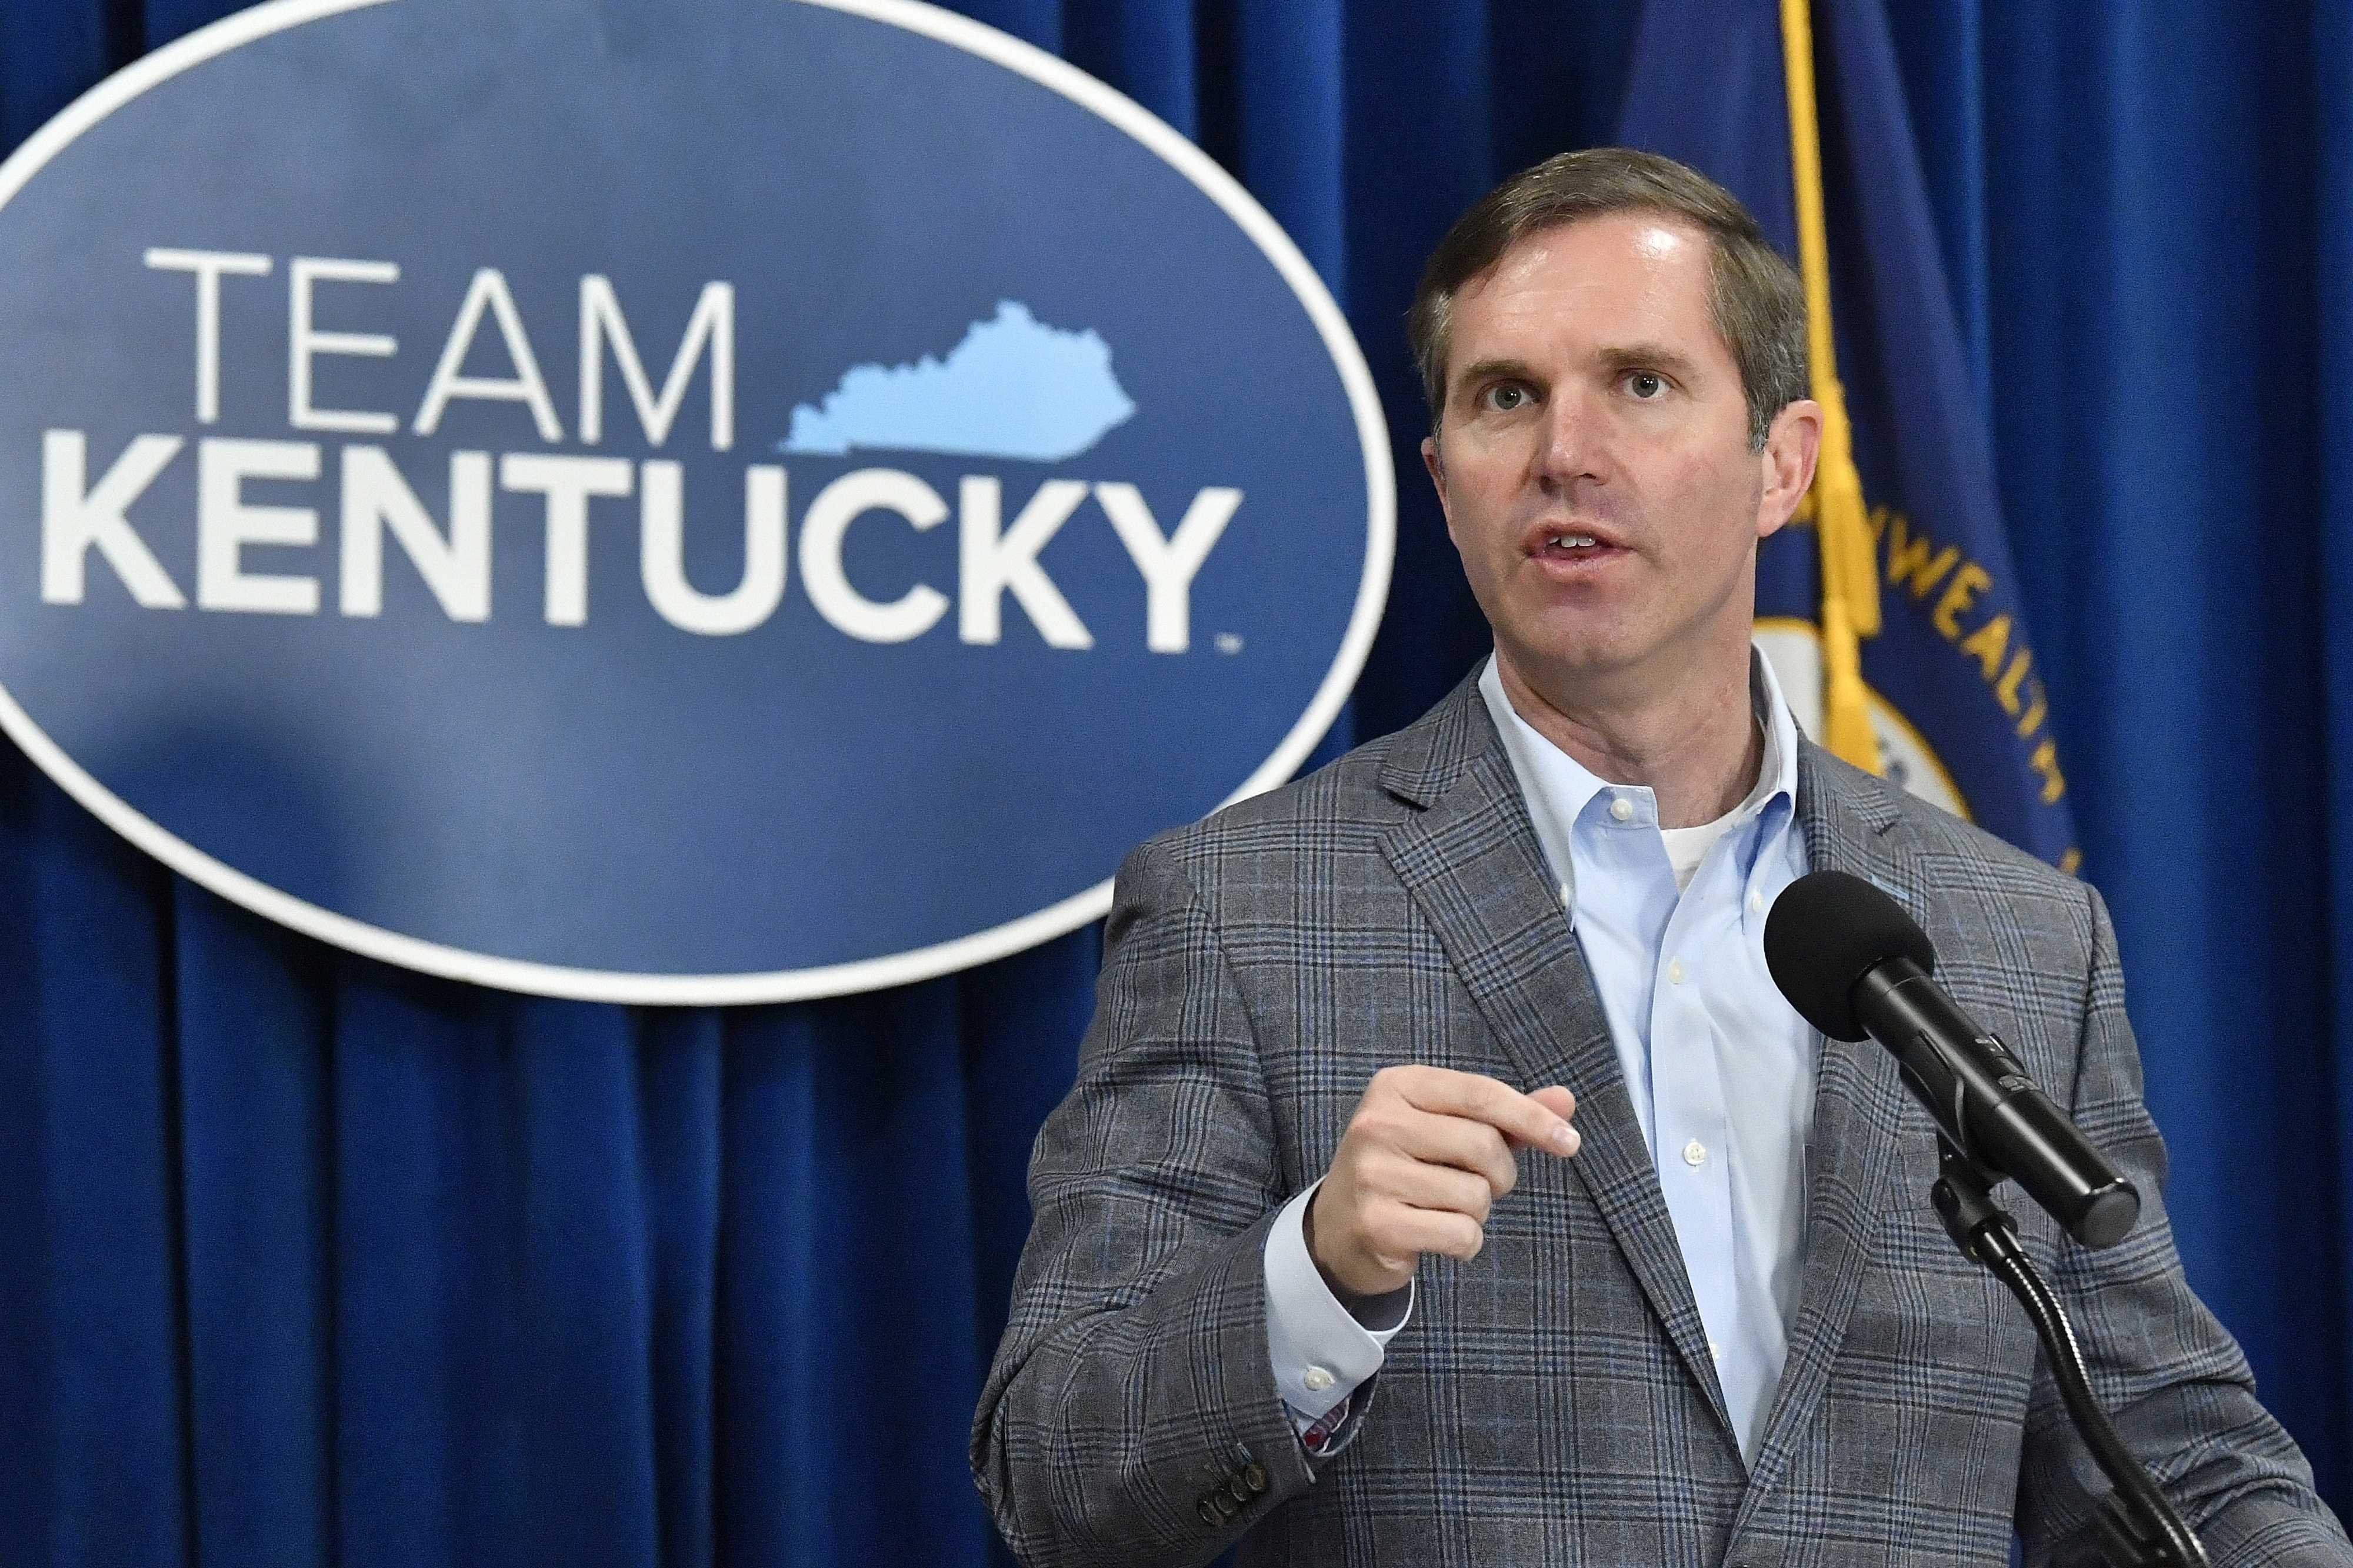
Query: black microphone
[(1853, 963)]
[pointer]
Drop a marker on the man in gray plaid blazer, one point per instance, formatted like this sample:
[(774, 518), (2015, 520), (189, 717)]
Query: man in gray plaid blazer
[(1328, 1016)]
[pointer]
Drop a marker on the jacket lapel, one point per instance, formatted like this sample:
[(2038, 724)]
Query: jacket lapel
[(1853, 1171), (1470, 862)]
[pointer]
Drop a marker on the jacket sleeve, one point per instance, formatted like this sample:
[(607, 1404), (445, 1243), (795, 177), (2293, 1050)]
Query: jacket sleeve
[(2168, 1374), (1131, 1416)]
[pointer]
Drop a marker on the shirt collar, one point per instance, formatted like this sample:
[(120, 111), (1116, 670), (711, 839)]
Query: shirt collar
[(1557, 787)]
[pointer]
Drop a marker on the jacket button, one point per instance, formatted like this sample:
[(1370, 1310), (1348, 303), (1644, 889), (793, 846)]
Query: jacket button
[(1226, 1507), (1255, 1477), (1210, 1514)]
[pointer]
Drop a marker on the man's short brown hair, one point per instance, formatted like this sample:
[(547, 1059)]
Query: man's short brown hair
[(1758, 303)]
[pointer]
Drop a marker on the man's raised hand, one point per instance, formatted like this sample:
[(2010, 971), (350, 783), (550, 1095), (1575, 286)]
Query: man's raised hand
[(1426, 1153)]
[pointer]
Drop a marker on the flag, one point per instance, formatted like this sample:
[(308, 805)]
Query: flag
[(1890, 609)]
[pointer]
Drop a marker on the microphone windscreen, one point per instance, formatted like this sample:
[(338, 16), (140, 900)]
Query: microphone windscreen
[(1826, 928)]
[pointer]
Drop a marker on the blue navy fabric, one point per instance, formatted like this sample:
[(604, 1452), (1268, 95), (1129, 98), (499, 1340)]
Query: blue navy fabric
[(1553, 1401)]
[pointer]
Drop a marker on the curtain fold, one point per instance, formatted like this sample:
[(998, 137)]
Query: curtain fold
[(2154, 219), (305, 1260), (2331, 1424)]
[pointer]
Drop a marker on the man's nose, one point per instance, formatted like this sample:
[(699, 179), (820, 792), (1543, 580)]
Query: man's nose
[(1572, 443)]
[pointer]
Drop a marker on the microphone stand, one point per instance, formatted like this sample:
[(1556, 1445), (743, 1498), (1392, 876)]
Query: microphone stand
[(2138, 1527)]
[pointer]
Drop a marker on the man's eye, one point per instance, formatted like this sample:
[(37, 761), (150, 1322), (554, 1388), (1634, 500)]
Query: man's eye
[(1645, 385), (1505, 399)]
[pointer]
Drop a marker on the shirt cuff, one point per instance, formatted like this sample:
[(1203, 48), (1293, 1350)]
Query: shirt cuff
[(1322, 1352)]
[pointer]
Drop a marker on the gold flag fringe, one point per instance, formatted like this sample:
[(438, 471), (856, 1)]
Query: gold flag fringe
[(1850, 561)]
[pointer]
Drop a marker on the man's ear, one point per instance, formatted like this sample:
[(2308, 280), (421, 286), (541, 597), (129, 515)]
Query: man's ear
[(1792, 443), (1435, 461)]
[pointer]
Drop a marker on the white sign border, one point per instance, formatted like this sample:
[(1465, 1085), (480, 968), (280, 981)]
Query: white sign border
[(789, 985)]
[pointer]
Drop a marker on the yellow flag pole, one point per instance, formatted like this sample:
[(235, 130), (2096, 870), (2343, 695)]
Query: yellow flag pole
[(1850, 561)]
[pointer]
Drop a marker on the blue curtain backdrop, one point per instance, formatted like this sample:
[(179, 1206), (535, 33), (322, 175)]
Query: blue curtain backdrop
[(303, 1261)]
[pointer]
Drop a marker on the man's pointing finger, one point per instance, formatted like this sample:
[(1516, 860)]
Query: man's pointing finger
[(1525, 1119), (1563, 1104)]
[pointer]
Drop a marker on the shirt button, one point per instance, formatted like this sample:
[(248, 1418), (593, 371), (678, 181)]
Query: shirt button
[(1621, 808), (1675, 972), (1694, 1153), (1755, 903), (1715, 1350), (1317, 1380)]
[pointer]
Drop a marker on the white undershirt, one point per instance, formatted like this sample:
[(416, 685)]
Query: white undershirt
[(1687, 847)]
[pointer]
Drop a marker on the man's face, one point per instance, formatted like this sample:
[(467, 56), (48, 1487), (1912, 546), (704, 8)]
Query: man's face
[(1593, 459)]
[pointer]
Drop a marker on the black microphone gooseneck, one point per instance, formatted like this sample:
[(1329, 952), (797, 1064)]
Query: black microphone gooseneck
[(1855, 965)]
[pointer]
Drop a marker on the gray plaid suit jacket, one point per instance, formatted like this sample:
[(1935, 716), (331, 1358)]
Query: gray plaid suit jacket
[(1553, 1401)]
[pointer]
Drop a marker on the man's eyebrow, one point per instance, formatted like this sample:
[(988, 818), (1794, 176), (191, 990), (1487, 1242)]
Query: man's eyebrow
[(1649, 356), (1490, 370)]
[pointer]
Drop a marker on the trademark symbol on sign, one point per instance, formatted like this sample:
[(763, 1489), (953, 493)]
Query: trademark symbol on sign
[(1229, 643)]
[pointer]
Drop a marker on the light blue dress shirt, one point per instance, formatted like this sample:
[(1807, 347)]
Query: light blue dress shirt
[(1719, 1067)]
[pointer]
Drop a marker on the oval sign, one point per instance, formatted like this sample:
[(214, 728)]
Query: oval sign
[(703, 502)]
